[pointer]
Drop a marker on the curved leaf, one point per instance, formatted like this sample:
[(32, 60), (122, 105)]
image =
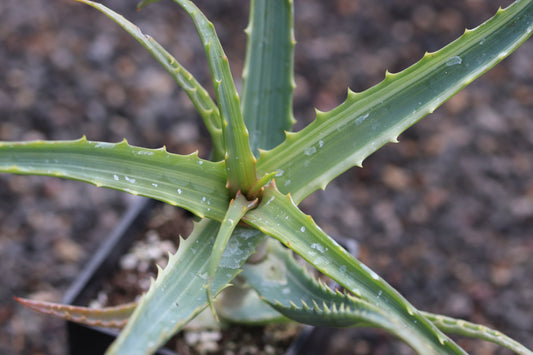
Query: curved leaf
[(342, 138), (237, 208), (287, 287), (461, 327), (240, 162), (241, 304), (278, 216), (178, 294), (182, 180), (198, 95)]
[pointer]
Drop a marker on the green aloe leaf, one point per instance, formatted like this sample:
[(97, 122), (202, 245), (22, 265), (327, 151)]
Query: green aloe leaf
[(198, 95), (278, 216), (268, 80), (345, 136), (240, 162), (182, 180), (287, 286), (179, 292), (461, 327), (241, 304), (236, 210)]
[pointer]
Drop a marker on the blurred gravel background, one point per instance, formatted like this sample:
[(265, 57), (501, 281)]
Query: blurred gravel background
[(446, 216)]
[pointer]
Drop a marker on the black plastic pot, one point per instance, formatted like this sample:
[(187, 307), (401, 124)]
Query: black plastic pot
[(84, 340)]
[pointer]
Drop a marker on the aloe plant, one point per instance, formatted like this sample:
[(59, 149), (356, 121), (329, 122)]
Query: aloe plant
[(247, 195)]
